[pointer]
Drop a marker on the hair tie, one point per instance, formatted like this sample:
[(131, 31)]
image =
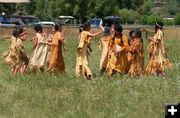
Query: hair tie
[(158, 25)]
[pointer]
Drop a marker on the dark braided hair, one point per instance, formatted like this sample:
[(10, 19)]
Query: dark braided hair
[(118, 28), (158, 25), (81, 28), (86, 25), (58, 27), (138, 34), (17, 31), (38, 28)]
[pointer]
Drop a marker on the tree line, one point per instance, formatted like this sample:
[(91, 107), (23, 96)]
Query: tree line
[(131, 11)]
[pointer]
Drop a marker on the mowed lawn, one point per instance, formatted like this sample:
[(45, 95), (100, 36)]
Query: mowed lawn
[(59, 96)]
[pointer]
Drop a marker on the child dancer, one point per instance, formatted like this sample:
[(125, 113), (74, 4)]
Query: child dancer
[(49, 39), (117, 59), (39, 50), (158, 59), (104, 41), (135, 53), (16, 56), (83, 53), (56, 60)]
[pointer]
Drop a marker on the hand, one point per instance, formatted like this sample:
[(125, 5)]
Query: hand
[(102, 28), (118, 49)]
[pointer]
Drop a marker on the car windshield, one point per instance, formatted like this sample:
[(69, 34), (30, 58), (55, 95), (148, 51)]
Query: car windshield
[(95, 22), (30, 20), (3, 19)]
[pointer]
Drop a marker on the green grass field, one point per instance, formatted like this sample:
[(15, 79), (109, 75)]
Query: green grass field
[(59, 96)]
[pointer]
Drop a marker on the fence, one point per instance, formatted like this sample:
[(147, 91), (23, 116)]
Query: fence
[(71, 32)]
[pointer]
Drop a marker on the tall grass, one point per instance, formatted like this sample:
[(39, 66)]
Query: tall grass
[(45, 95)]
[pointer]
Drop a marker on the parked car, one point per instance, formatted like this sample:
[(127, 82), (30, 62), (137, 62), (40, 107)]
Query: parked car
[(95, 22), (16, 20), (4, 21), (66, 20), (47, 23), (108, 21), (29, 20), (19, 20)]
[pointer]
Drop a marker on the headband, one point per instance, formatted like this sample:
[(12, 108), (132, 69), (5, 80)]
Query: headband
[(158, 25)]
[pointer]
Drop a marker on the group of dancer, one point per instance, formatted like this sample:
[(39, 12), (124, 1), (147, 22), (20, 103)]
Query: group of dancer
[(123, 55), (118, 53), (17, 58)]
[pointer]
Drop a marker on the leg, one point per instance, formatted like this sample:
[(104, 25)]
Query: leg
[(34, 70), (41, 69), (78, 70), (102, 71), (87, 71), (16, 69), (13, 69), (22, 69)]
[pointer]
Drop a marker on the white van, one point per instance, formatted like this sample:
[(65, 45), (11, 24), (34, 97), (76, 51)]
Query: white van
[(66, 20), (47, 23)]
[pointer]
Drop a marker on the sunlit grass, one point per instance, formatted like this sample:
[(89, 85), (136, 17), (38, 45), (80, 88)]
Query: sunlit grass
[(46, 95)]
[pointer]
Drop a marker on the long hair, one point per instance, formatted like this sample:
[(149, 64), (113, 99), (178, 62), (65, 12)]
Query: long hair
[(158, 25), (38, 28), (130, 34), (81, 28), (138, 34), (119, 29), (17, 31), (58, 27), (86, 25)]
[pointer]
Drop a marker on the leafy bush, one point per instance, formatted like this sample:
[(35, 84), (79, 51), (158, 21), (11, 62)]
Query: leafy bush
[(168, 22), (151, 20), (129, 16), (177, 19)]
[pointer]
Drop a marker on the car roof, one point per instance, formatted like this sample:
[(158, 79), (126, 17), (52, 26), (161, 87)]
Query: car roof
[(29, 16), (66, 17), (111, 17), (47, 22)]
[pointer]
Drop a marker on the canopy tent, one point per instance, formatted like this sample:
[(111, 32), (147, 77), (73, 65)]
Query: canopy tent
[(13, 4), (14, 1)]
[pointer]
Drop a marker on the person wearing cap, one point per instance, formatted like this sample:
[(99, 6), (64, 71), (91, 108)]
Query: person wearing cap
[(16, 56), (158, 60), (82, 63), (117, 57)]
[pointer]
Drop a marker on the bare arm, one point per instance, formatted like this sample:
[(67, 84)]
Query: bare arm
[(35, 42), (97, 33), (94, 34)]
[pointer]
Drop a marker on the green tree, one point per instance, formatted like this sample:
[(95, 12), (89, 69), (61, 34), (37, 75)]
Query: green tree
[(129, 16), (177, 19), (151, 20)]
